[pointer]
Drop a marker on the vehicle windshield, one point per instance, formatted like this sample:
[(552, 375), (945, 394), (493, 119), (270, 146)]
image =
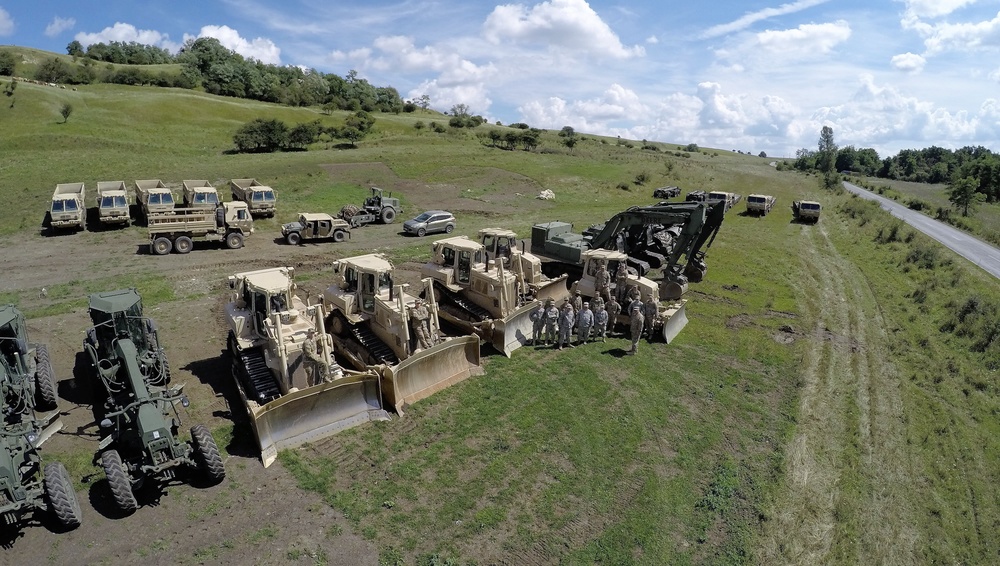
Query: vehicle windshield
[(423, 217), (167, 198), (206, 198), (808, 206), (756, 199), (57, 206), (70, 205), (269, 196), (120, 201)]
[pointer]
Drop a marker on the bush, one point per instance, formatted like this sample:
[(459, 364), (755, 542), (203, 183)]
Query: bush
[(8, 63), (917, 204), (438, 128), (419, 125), (261, 136), (923, 256), (642, 178), (890, 233), (623, 186), (860, 209), (691, 147)]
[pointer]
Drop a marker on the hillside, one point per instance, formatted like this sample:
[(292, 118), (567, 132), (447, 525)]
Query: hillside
[(832, 400)]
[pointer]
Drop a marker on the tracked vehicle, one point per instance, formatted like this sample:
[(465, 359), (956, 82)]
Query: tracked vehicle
[(25, 382), (481, 295), (370, 321), (140, 421), (502, 244), (282, 360)]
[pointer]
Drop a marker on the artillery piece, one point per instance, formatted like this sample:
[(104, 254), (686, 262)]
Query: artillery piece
[(140, 420)]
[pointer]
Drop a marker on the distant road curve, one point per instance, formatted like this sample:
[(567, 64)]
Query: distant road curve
[(973, 249)]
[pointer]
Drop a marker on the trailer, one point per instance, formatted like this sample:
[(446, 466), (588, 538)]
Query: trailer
[(112, 203), (258, 196), (68, 209), (229, 223), (200, 194), (154, 198)]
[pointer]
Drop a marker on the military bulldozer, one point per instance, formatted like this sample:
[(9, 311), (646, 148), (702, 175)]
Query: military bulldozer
[(139, 417), (25, 382), (502, 245), (480, 295), (379, 207), (375, 325), (282, 361)]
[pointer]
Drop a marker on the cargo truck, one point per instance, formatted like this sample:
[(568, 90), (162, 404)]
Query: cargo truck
[(154, 198), (68, 209), (759, 205), (258, 196), (112, 203), (200, 194), (729, 198), (229, 223)]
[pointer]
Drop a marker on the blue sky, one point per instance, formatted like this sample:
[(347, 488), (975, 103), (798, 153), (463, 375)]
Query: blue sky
[(749, 75)]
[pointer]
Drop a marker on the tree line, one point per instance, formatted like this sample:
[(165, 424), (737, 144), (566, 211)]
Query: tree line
[(269, 135)]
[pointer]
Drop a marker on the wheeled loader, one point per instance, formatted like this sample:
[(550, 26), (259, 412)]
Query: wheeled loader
[(283, 364), (372, 324)]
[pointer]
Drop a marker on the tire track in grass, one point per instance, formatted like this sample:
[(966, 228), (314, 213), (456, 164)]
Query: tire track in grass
[(847, 473)]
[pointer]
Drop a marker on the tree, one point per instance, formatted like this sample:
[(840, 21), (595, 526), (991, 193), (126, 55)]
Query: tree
[(424, 102), (963, 196), (460, 110), (567, 131), (54, 71), (75, 48), (762, 154), (7, 63), (826, 158), (261, 136), (66, 110)]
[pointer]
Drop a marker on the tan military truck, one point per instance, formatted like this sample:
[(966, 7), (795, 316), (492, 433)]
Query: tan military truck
[(806, 211), (730, 198), (153, 198), (759, 205), (68, 209), (229, 223), (112, 203), (315, 226), (259, 197), (200, 194)]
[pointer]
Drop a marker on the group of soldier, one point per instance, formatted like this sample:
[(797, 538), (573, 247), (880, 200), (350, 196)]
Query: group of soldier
[(556, 326)]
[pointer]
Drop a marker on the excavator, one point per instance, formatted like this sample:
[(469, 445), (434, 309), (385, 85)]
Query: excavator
[(373, 325), (481, 295), (282, 359)]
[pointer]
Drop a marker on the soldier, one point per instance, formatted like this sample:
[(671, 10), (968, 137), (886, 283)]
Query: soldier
[(577, 305), (551, 322), (538, 322), (584, 322), (597, 303), (600, 323), (419, 321), (621, 282), (566, 320), (614, 309), (650, 312), (636, 320), (317, 370), (602, 281)]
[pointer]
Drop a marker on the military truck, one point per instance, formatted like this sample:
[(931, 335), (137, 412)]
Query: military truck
[(731, 199), (372, 323), (480, 296), (282, 360), (315, 226), (112, 203), (153, 198), (259, 197), (136, 404), (666, 192), (806, 211), (229, 223), (200, 194), (26, 362), (68, 209), (696, 196), (378, 207), (760, 205)]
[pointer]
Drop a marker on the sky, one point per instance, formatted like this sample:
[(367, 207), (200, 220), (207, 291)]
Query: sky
[(745, 75)]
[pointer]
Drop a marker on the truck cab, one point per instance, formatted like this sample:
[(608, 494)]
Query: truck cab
[(200, 194), (112, 202)]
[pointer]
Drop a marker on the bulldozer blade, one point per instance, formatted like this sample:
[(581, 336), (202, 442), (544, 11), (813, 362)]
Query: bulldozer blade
[(429, 371), (674, 320), (555, 289), (313, 413), (514, 331)]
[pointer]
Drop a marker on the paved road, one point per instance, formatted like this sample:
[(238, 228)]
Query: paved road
[(973, 249)]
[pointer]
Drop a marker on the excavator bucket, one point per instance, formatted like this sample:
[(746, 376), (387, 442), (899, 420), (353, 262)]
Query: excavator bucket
[(555, 289), (314, 412), (674, 320), (514, 330), (429, 371)]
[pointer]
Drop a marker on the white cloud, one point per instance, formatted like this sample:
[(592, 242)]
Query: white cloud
[(569, 24), (261, 49), (58, 26), (933, 8), (754, 17), (974, 36), (125, 33), (652, 40), (908, 62), (6, 23), (779, 47), (443, 96)]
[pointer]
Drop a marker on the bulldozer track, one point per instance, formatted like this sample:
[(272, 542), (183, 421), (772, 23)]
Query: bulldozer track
[(465, 309), (257, 377)]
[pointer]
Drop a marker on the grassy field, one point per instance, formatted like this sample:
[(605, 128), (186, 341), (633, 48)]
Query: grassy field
[(833, 399)]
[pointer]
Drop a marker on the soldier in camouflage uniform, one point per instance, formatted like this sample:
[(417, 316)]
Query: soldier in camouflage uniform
[(567, 317), (614, 309), (584, 323), (636, 321), (538, 323), (551, 322), (621, 282), (317, 370), (600, 323), (651, 312), (577, 305), (602, 281), (419, 321)]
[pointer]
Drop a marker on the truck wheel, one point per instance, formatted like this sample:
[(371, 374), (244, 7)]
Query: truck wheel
[(118, 480), (293, 238), (388, 215), (207, 452), (421, 232), (62, 497), (183, 245), (161, 246), (339, 235), (234, 240), (45, 382)]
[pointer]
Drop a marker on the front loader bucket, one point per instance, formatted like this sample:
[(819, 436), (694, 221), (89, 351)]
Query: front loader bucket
[(513, 331), (313, 413), (674, 320), (429, 371), (556, 289)]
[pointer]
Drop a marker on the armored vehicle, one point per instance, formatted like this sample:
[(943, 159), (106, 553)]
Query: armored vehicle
[(315, 226), (138, 406)]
